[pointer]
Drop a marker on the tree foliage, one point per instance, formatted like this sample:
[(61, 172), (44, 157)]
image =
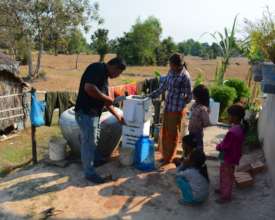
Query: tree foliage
[(35, 21), (139, 45), (194, 48), (100, 43), (166, 48)]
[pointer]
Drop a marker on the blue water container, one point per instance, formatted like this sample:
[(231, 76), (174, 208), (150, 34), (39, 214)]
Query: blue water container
[(144, 154)]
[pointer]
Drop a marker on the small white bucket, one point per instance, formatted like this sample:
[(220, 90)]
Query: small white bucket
[(214, 112), (126, 156), (57, 148)]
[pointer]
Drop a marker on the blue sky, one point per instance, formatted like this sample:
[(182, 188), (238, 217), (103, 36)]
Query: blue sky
[(180, 19)]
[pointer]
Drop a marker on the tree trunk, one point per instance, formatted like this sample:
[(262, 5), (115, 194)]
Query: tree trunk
[(38, 64), (30, 74), (76, 61), (55, 48), (101, 57)]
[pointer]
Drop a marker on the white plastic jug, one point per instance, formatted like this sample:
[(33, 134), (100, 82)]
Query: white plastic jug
[(214, 112)]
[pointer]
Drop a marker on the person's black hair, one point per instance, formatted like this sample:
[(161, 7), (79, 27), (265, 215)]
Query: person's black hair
[(238, 111), (201, 93), (198, 159), (177, 59), (190, 141), (118, 62)]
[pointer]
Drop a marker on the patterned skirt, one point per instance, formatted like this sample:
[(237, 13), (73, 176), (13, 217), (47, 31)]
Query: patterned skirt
[(170, 135)]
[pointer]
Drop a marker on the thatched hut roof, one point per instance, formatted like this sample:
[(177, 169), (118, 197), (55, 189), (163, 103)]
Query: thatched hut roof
[(10, 67)]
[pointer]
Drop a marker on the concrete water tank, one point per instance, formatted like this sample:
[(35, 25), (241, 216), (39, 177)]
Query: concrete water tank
[(110, 134)]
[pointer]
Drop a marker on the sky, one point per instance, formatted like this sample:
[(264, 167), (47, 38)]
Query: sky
[(180, 19)]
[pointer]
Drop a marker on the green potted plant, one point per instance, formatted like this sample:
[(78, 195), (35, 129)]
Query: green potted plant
[(254, 54), (262, 34)]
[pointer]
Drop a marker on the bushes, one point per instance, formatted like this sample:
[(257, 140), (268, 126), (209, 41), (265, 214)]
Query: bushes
[(231, 92), (241, 88), (225, 95)]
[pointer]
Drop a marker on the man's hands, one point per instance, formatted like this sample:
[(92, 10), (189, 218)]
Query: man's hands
[(108, 100), (121, 119), (116, 114)]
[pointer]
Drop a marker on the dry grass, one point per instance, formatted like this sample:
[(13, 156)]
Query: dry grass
[(62, 75), (18, 149)]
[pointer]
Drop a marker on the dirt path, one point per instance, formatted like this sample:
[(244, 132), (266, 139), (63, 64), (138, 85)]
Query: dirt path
[(133, 195)]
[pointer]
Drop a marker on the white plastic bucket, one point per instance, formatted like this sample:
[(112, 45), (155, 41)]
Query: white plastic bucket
[(214, 112), (57, 148), (126, 157)]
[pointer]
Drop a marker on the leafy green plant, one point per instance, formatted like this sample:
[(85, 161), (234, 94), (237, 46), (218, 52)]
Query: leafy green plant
[(199, 79), (227, 44), (240, 87), (127, 81), (251, 140), (251, 48), (157, 74), (262, 33), (225, 95), (253, 107)]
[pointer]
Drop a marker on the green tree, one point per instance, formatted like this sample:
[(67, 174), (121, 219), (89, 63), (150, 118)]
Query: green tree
[(185, 47), (76, 44), (139, 45), (33, 20), (165, 50), (113, 45), (100, 43)]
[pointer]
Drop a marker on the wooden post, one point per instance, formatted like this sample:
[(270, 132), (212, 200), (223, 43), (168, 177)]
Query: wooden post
[(34, 152)]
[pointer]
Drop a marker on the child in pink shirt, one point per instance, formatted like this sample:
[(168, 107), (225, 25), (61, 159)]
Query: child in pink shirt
[(230, 151)]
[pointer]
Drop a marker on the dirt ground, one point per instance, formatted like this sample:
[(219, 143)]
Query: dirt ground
[(131, 195), (61, 74)]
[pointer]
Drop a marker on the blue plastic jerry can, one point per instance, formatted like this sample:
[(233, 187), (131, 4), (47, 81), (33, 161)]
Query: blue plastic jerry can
[(144, 154)]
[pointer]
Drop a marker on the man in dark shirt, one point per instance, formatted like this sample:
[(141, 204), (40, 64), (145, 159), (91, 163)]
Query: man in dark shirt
[(92, 97)]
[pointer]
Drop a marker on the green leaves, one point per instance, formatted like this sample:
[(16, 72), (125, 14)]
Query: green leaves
[(138, 46), (225, 95), (241, 88), (100, 42), (261, 38), (228, 45)]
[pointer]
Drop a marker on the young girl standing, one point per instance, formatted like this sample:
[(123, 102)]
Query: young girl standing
[(230, 151), (199, 118), (178, 86)]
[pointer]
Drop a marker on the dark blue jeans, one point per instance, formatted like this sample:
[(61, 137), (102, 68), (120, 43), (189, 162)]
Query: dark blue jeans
[(89, 133)]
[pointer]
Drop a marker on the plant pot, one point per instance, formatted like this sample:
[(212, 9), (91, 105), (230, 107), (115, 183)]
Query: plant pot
[(268, 83), (257, 72)]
